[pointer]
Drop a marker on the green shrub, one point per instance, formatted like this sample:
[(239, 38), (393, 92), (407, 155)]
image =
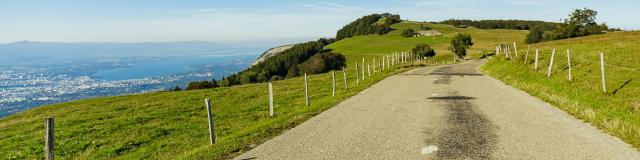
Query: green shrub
[(201, 85), (534, 36), (460, 43), (423, 50), (408, 32)]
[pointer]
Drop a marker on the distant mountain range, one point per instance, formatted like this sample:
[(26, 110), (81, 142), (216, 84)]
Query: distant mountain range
[(56, 51)]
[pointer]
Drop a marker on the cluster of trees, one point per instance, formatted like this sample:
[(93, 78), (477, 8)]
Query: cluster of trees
[(283, 65), (202, 85), (370, 24), (408, 32), (423, 50), (581, 22), (323, 62), (460, 43), (502, 24)]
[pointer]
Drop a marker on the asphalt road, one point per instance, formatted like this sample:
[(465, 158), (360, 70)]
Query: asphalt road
[(445, 112)]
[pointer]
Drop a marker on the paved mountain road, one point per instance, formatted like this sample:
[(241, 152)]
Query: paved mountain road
[(444, 112)]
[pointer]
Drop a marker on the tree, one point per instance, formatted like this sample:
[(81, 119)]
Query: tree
[(248, 77), (224, 83), (177, 88), (293, 72), (408, 32), (323, 62), (582, 22), (423, 50), (534, 36), (214, 82), (460, 43)]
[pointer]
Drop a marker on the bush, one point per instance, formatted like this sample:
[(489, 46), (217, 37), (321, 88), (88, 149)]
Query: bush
[(323, 62), (408, 32), (460, 43), (423, 50), (177, 88), (534, 36), (201, 85)]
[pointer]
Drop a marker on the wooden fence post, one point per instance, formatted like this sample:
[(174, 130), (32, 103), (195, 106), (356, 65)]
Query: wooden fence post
[(344, 76), (369, 69), (515, 49), (373, 61), (604, 84), (382, 64), (536, 61), (48, 138), (569, 63), (212, 133), (526, 57), (270, 99), (363, 70), (333, 93), (306, 89), (553, 53), (357, 74)]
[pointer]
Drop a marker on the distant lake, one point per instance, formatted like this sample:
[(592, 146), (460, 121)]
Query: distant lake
[(171, 65), (26, 87)]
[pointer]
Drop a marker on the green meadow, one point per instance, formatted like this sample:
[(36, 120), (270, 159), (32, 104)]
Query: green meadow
[(616, 112), (173, 125)]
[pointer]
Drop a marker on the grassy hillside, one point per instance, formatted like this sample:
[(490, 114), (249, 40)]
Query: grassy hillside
[(617, 112), (370, 45), (172, 125)]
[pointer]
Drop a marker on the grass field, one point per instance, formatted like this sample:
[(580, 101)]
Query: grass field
[(485, 41), (617, 112), (173, 125)]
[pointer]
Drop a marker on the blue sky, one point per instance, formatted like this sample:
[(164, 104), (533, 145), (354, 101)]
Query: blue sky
[(257, 21)]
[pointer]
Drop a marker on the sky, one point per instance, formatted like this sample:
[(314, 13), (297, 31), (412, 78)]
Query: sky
[(260, 21)]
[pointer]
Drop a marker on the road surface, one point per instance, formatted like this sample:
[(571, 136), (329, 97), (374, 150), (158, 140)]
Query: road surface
[(444, 112)]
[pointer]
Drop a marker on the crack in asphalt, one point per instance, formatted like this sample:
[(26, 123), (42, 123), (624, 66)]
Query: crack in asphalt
[(469, 135)]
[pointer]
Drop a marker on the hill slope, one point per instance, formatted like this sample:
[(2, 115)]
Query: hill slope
[(173, 125), (617, 112)]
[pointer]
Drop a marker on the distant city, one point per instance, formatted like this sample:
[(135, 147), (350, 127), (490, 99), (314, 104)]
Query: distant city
[(22, 88)]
